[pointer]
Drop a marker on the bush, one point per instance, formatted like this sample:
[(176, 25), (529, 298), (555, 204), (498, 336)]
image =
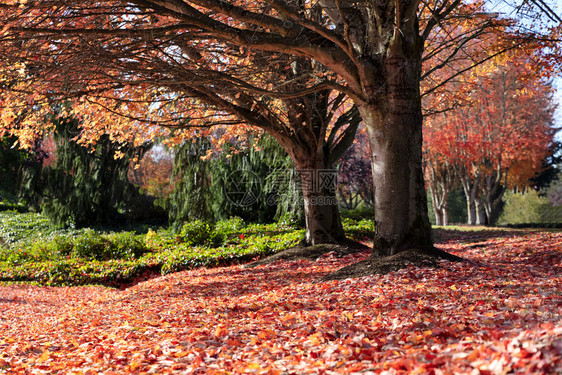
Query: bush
[(201, 233), (80, 257), (59, 244), (91, 245), (126, 245), (15, 226), (359, 229), (292, 219), (78, 272), (359, 213), (528, 208), (7, 206), (232, 225), (87, 245)]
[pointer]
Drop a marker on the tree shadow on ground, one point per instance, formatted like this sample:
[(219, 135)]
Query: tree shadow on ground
[(442, 236)]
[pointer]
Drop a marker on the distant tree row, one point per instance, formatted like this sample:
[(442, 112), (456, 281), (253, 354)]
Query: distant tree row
[(497, 137)]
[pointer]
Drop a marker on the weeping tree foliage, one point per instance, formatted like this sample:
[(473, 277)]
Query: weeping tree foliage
[(84, 186), (257, 183), (193, 191), (12, 160), (31, 184)]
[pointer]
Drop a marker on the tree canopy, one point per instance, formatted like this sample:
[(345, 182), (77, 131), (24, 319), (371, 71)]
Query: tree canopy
[(201, 63)]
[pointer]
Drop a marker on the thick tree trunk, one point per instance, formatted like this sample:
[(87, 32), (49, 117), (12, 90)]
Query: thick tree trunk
[(322, 217), (394, 127)]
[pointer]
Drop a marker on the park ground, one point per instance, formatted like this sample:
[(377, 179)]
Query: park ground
[(499, 312)]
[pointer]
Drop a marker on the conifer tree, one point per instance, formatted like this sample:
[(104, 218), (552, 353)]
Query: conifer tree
[(12, 160), (255, 182), (84, 186), (192, 196)]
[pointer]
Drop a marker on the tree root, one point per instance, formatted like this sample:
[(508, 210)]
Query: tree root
[(383, 265), (313, 252)]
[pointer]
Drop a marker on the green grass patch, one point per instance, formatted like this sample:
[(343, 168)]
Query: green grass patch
[(16, 226), (32, 250)]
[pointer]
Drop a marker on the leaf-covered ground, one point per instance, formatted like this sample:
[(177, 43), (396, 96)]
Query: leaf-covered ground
[(501, 313)]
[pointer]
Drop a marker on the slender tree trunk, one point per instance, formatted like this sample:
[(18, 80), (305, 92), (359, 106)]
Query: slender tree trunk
[(444, 207), (445, 215), (439, 196), (322, 217), (492, 194), (487, 208), (438, 216), (471, 210), (481, 218), (436, 206), (394, 127), (470, 192)]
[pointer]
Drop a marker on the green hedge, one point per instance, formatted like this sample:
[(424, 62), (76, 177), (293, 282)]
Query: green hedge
[(79, 257)]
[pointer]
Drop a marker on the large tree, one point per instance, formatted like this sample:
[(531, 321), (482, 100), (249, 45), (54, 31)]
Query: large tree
[(371, 50)]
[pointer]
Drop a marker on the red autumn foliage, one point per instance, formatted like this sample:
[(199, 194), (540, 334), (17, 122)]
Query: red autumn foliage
[(496, 140), (500, 312)]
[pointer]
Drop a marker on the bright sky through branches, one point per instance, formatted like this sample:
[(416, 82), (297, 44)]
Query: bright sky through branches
[(509, 8)]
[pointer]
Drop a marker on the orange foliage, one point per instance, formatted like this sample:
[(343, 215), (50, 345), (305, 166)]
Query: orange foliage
[(506, 126), (153, 173)]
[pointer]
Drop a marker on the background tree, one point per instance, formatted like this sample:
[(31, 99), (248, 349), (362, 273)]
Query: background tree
[(498, 140), (555, 192), (84, 186), (12, 159), (152, 174), (314, 130), (442, 181), (253, 179), (550, 169), (193, 195), (355, 185), (257, 182)]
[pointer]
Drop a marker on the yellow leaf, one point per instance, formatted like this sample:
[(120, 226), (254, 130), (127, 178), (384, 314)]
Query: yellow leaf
[(181, 354), (45, 356), (315, 339), (253, 366), (454, 288), (135, 364), (220, 331)]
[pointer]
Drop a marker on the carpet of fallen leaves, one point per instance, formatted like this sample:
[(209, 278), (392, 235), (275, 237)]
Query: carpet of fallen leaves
[(499, 313)]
